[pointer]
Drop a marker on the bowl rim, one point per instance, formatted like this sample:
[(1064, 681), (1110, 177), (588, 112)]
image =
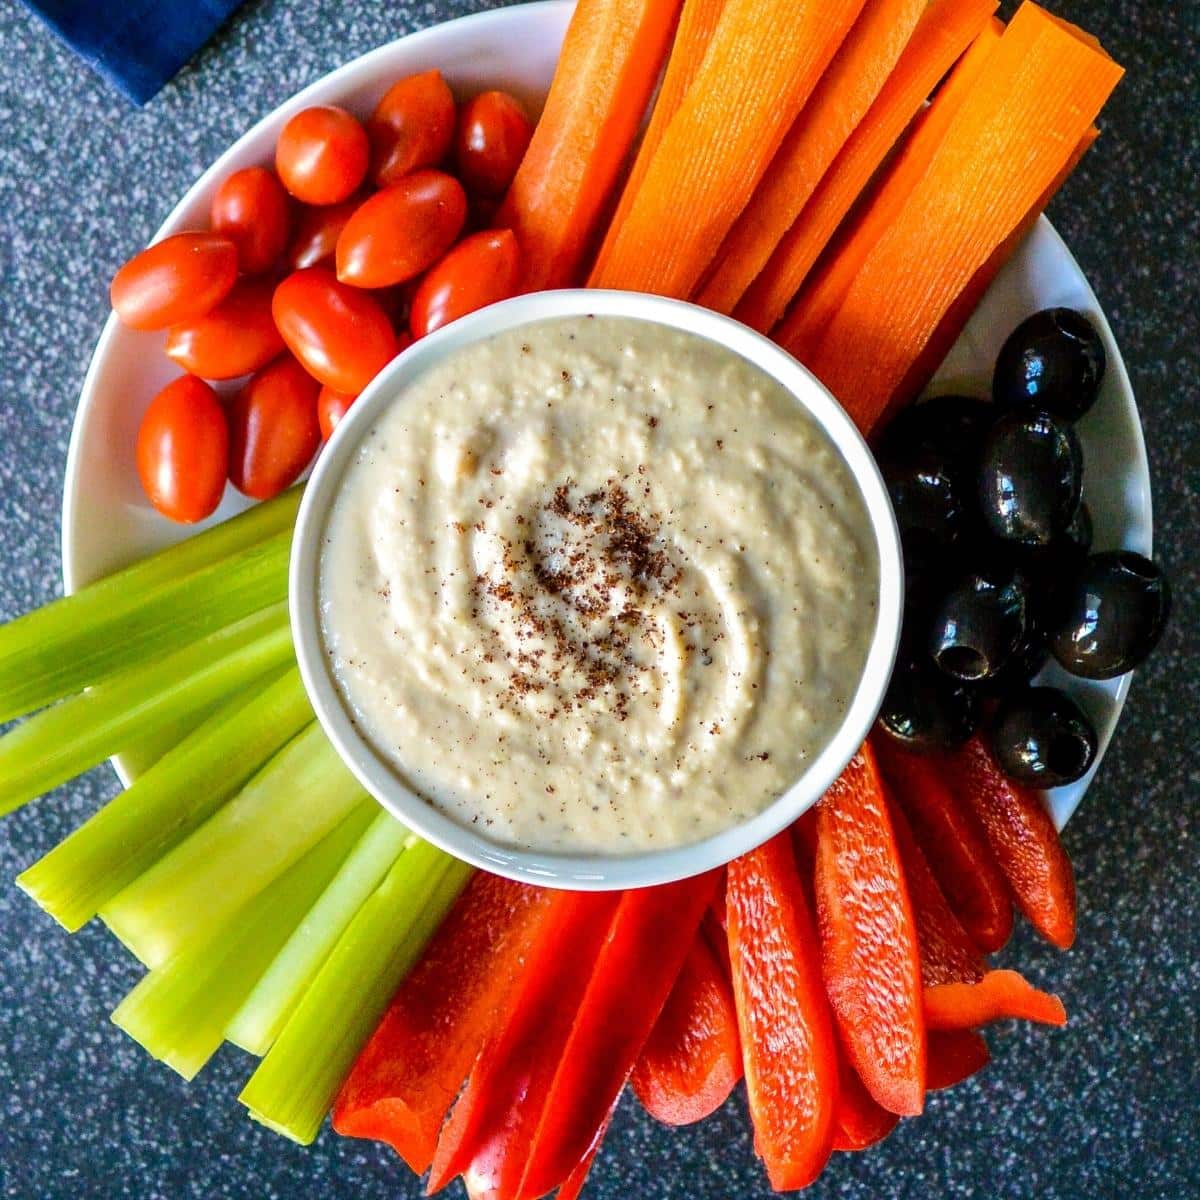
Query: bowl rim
[(590, 871)]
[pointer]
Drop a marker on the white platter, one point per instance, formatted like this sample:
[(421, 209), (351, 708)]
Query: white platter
[(108, 523)]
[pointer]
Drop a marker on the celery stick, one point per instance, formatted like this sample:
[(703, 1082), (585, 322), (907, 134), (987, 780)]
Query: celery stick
[(296, 1083), (148, 609), (266, 1010), (178, 1011), (139, 755), (136, 828), (297, 798)]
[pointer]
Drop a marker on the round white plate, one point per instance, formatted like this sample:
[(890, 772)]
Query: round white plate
[(108, 523)]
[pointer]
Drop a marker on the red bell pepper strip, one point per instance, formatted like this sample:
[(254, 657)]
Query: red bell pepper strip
[(491, 1126), (692, 1059), (1023, 839), (572, 1188), (408, 1074), (954, 1055), (952, 841), (783, 1015), (869, 939), (859, 1122), (634, 972), (947, 954), (998, 996)]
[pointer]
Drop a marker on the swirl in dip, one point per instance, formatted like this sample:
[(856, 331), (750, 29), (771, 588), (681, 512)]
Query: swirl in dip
[(597, 585)]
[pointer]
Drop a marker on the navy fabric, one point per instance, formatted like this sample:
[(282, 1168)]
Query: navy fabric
[(135, 44)]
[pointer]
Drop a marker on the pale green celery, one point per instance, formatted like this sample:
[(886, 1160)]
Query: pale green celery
[(293, 802), (61, 742), (266, 1010), (178, 1011), (143, 752), (136, 828), (149, 609), (297, 1081)]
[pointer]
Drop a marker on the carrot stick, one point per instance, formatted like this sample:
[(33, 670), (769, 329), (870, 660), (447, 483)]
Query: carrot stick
[(763, 62), (1039, 93), (847, 89), (607, 69), (830, 280), (998, 996), (697, 22), (942, 34)]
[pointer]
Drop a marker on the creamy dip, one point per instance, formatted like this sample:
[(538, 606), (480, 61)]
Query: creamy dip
[(596, 585)]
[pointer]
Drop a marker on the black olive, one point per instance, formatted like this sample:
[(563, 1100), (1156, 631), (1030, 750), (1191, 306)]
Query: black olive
[(951, 428), (925, 495), (980, 624), (1031, 476), (1025, 662), (1041, 739), (925, 711), (1111, 615), (1054, 360), (926, 565)]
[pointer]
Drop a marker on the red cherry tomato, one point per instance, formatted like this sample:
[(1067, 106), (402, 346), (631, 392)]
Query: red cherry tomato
[(411, 127), (178, 279), (480, 270), (273, 430), (493, 132), (182, 450), (237, 337), (332, 406), (251, 209), (340, 334), (316, 233), (400, 231), (322, 155)]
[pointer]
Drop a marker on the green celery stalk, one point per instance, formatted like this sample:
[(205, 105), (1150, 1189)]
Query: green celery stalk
[(258, 1022), (139, 755), (297, 1081), (61, 742), (136, 828), (149, 609), (293, 802), (178, 1011)]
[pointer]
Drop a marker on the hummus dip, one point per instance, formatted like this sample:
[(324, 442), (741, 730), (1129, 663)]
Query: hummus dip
[(597, 585)]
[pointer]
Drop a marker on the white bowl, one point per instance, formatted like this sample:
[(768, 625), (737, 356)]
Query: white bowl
[(588, 871)]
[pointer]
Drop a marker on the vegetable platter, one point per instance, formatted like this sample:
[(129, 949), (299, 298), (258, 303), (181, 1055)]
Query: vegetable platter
[(375, 975)]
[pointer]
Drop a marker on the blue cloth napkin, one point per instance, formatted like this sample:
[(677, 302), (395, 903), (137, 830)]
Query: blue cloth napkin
[(135, 44)]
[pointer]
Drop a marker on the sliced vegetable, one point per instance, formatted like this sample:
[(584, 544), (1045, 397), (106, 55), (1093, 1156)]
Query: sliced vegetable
[(954, 1055), (259, 1020), (179, 1010), (998, 996), (762, 64), (178, 279), (321, 155), (139, 825), (859, 1121), (953, 843), (64, 741), (235, 338), (296, 1082), (1023, 839), (692, 1058), (868, 939), (1038, 94), (607, 68), (633, 975), (251, 209), (412, 127), (859, 69), (572, 1187), (409, 1073), (492, 137), (302, 793), (783, 1015)]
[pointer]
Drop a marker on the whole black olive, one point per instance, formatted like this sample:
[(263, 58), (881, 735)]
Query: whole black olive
[(1025, 662), (1031, 477), (925, 495), (927, 569), (1041, 739), (1111, 615), (980, 624), (1054, 360), (951, 428), (925, 711)]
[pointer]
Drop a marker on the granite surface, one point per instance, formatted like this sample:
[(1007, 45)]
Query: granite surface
[(1106, 1108)]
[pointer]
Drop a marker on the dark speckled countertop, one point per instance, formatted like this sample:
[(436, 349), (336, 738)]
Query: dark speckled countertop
[(1108, 1107)]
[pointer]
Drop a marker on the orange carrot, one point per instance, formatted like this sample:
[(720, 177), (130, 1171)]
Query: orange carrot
[(830, 280), (607, 69), (764, 60), (855, 76), (1039, 93), (696, 24), (943, 33)]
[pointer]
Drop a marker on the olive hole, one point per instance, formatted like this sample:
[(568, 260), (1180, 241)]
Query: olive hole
[(963, 662), (1068, 756)]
